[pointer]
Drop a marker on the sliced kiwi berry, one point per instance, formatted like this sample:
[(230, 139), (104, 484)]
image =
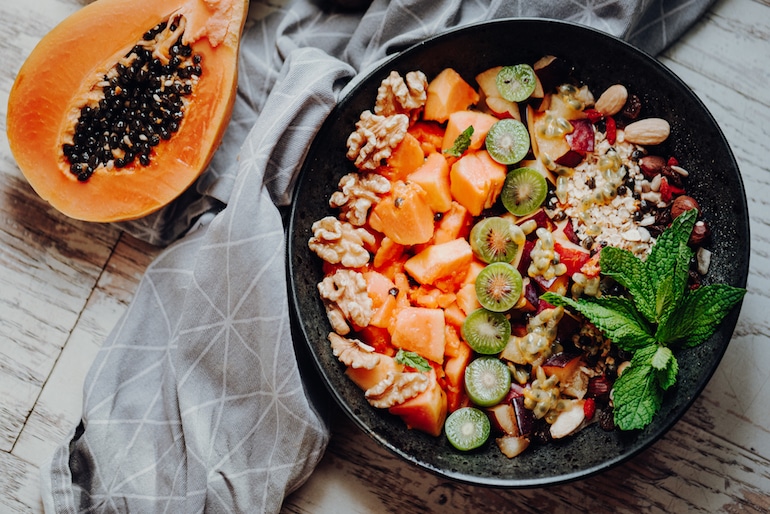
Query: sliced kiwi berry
[(496, 239), (486, 332), (524, 190), (498, 286), (516, 83), (487, 381), (508, 141), (467, 428)]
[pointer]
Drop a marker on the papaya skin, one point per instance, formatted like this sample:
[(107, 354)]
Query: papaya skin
[(72, 57)]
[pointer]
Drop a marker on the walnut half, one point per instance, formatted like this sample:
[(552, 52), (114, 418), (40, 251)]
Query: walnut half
[(375, 138), (339, 242), (356, 194), (345, 297), (397, 95), (353, 352), (397, 387)]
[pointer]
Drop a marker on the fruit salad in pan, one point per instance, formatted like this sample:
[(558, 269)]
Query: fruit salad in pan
[(513, 259)]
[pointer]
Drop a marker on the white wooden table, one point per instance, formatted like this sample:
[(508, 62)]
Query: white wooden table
[(63, 284)]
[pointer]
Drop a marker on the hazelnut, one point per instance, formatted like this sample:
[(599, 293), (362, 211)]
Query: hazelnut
[(651, 165), (683, 203), (700, 232)]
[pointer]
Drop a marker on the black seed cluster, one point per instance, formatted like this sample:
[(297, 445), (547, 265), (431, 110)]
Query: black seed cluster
[(142, 105)]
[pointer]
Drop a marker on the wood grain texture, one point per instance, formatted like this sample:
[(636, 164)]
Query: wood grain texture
[(64, 284)]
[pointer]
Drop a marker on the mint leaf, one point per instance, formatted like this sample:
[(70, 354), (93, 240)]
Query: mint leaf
[(461, 143), (413, 360), (668, 263), (629, 271), (699, 314), (637, 394), (615, 316), (662, 311), (666, 367)]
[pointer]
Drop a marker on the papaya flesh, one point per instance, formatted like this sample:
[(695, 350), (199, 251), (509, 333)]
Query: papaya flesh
[(76, 64)]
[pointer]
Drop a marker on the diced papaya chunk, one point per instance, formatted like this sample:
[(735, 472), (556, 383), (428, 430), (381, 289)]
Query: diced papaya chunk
[(387, 252), (430, 135), (420, 330), (379, 287), (377, 337), (425, 412), (459, 121), (454, 367), (467, 299), (454, 315), (368, 378), (474, 268), (406, 157), (440, 261), (433, 177), (476, 181), (454, 372), (447, 93), (456, 222), (404, 215)]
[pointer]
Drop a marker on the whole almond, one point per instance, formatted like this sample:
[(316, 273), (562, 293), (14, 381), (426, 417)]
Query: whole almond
[(612, 100), (650, 131)]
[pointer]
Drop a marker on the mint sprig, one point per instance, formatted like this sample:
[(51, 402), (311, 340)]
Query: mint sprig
[(412, 360), (660, 312), (461, 143)]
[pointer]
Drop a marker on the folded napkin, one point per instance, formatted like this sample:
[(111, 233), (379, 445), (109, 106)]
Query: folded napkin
[(196, 402)]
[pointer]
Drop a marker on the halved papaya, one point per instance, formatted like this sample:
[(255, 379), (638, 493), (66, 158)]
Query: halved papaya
[(121, 106)]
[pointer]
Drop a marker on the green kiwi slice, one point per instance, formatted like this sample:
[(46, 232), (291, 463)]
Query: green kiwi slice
[(496, 239), (524, 191), (498, 286), (486, 332), (508, 141), (487, 381), (516, 83), (467, 428)]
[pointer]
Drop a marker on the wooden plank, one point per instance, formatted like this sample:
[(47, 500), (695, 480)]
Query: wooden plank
[(730, 46), (60, 404), (48, 266), (20, 486), (668, 477)]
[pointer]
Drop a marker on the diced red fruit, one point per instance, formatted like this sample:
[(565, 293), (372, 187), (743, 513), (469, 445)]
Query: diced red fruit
[(611, 130), (568, 326), (525, 418), (570, 159), (667, 191), (563, 365), (541, 219), (581, 139), (672, 161), (502, 417), (589, 408), (599, 387), (556, 285), (593, 115), (530, 293), (569, 232), (572, 255), (526, 257)]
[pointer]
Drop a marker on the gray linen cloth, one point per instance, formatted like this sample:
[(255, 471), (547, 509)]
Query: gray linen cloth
[(195, 402)]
